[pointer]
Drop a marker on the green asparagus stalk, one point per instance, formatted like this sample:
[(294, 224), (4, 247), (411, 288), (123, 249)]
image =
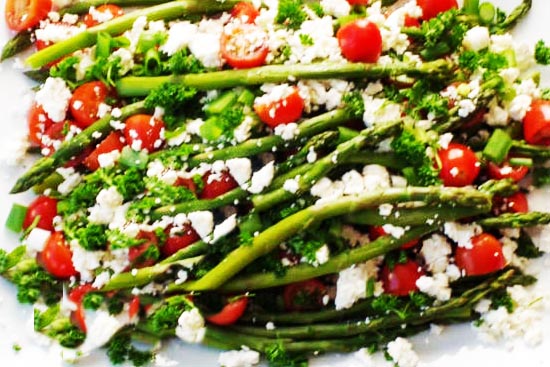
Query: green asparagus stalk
[(139, 277), (523, 149), (515, 220), (195, 249), (165, 11), (20, 42), (47, 165), (83, 6), (326, 164), (513, 18), (141, 86), (318, 142), (429, 314), (269, 239)]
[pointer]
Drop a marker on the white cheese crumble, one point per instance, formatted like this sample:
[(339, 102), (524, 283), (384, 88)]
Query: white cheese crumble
[(240, 169), (202, 222), (71, 179), (54, 97), (462, 233), (351, 285), (337, 8), (85, 262), (36, 240), (394, 231), (436, 286), (385, 209), (262, 178), (191, 326), (292, 185), (287, 131), (402, 353), (476, 38), (322, 255), (239, 358), (224, 228), (107, 201), (435, 251), (380, 111)]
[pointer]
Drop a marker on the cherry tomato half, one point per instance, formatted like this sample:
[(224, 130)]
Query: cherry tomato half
[(38, 122), (245, 12), (303, 296), (136, 254), (360, 41), (55, 135), (133, 307), (216, 185), (112, 142), (104, 12), (76, 295), (230, 313), (459, 165), (244, 46), (536, 123), (484, 257), (287, 109), (358, 2), (431, 8), (378, 231), (143, 132), (505, 170), (515, 203), (401, 280), (25, 14), (57, 257), (177, 241), (44, 207), (84, 103)]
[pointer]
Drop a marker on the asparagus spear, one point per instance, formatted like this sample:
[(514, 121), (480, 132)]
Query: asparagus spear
[(515, 220), (20, 42), (523, 149), (266, 241), (141, 86), (83, 6), (165, 11)]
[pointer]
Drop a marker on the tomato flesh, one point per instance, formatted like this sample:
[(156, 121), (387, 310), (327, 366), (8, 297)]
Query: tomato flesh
[(133, 307), (245, 12), (244, 46), (459, 165), (136, 253), (44, 207), (230, 313), (112, 142), (505, 170), (57, 257), (303, 296), (38, 123), (85, 102), (179, 240), (217, 184), (106, 12), (536, 123), (143, 132), (401, 280), (25, 14), (360, 41), (484, 257), (431, 8), (283, 111), (76, 296), (515, 203)]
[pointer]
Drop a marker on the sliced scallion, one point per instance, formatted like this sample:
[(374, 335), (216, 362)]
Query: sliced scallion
[(498, 146), (487, 13), (16, 217), (521, 161)]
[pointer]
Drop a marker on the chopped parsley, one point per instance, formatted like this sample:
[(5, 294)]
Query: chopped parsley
[(542, 53)]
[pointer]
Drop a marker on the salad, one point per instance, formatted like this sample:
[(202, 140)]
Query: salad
[(277, 179)]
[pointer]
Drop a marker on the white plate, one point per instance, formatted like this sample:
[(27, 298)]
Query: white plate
[(458, 345)]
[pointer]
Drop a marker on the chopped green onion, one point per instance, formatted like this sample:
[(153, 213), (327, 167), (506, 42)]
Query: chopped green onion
[(152, 61), (133, 158), (346, 134), (211, 130), (487, 13), (471, 7), (498, 146), (16, 217), (103, 46), (220, 104), (520, 161), (246, 98)]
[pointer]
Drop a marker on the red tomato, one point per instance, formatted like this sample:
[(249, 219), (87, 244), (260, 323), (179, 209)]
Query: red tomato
[(216, 185), (25, 14), (484, 257), (143, 132), (136, 253), (55, 135), (76, 296), (306, 295), (245, 12), (177, 241), (133, 308), (431, 8), (287, 109), (84, 103), (536, 123), (515, 203), (57, 257), (104, 10), (244, 46), (411, 22), (43, 207), (112, 142), (230, 313), (401, 280), (358, 2), (188, 183), (360, 41), (505, 170), (38, 122), (378, 231), (459, 165)]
